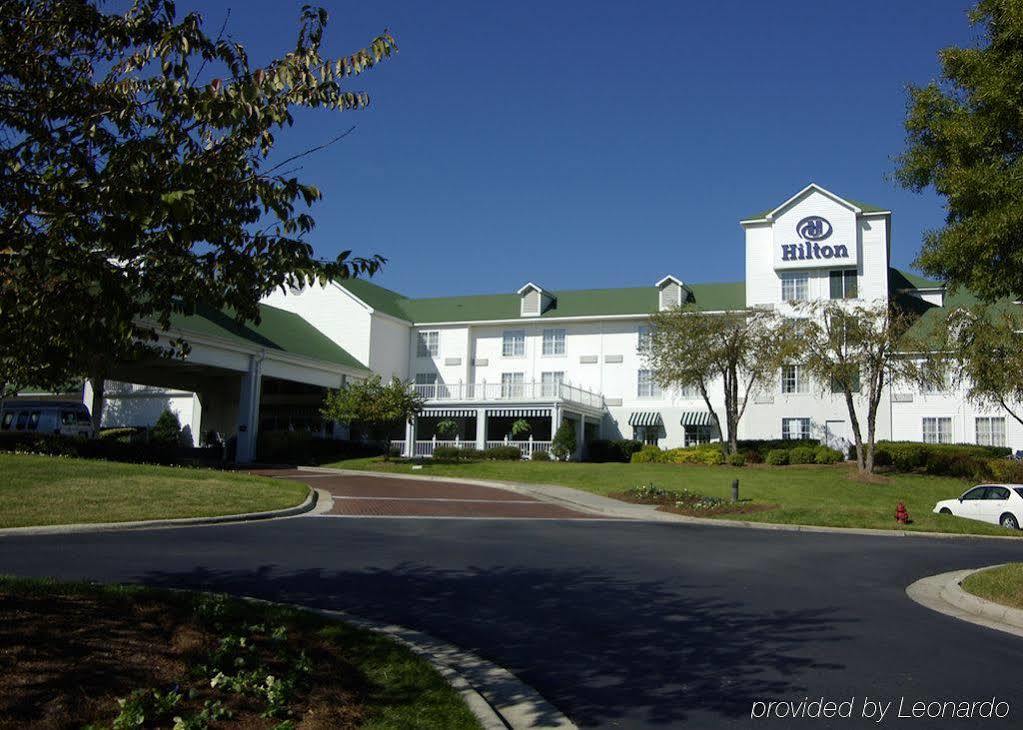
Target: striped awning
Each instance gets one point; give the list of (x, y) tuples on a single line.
[(448, 413), (696, 418), (519, 412), (645, 418)]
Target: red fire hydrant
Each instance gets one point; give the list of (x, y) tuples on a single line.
[(901, 515)]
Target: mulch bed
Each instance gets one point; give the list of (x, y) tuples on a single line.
[(68, 656), (669, 502)]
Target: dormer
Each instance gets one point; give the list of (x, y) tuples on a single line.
[(534, 300), (671, 292)]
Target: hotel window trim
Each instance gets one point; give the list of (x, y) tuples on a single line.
[(646, 386), (550, 383), (428, 344), (795, 287), (844, 284), (990, 430), (795, 428), (513, 343), (512, 385), (553, 342), (937, 430), (794, 380)]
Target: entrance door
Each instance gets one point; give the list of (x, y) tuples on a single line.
[(837, 435)]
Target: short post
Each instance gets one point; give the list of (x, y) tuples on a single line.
[(735, 490)]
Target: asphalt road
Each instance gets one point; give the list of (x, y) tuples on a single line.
[(619, 624)]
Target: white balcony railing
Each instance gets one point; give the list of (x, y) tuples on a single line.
[(520, 392), (426, 447)]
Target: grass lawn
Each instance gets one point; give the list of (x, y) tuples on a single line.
[(805, 494), (49, 490), (1003, 584), (80, 655)]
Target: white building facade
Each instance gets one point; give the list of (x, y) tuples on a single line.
[(549, 356)]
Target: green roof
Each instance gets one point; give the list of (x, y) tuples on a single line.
[(898, 279), (572, 303), (865, 207), (278, 330)]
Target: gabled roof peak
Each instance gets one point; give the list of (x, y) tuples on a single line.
[(530, 285)]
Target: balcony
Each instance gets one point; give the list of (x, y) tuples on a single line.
[(532, 392)]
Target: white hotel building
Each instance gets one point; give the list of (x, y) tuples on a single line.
[(550, 355)]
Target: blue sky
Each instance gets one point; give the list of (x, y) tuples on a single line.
[(600, 144)]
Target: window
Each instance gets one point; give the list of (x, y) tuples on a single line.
[(794, 380), (554, 342), (426, 378), (844, 284), (429, 344), (795, 287), (511, 385), (990, 431), (836, 386), (999, 493), (8, 420), (550, 384), (646, 386), (22, 420), (975, 493), (643, 343), (795, 428), (513, 343), (937, 430), (33, 421), (698, 435), (649, 435), (689, 391)]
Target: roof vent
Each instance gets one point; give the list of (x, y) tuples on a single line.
[(672, 293), (535, 300)]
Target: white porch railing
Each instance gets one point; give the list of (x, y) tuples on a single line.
[(522, 392), (426, 448), (399, 445)]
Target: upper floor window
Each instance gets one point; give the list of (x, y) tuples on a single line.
[(937, 430), (644, 338), (795, 287), (512, 385), (429, 344), (554, 342), (513, 344), (426, 378), (794, 380), (646, 386), (990, 431), (854, 384), (550, 384), (689, 391), (844, 284)]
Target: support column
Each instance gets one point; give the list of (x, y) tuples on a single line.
[(580, 437), (555, 420), (248, 411), (481, 428), (410, 437)]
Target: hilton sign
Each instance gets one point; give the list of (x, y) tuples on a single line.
[(812, 247)]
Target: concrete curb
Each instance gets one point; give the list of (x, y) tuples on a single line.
[(944, 593), (306, 506), (607, 507), (497, 698)]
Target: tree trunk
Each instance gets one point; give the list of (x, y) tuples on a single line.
[(98, 376)]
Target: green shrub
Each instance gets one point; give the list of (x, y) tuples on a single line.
[(752, 456), (452, 453), (762, 446), (604, 450), (737, 459), (1009, 471), (777, 457), (167, 429), (826, 455), (967, 461), (709, 454), (564, 441), (646, 455), (303, 447), (121, 435), (446, 429), (503, 453), (802, 454), (540, 456)]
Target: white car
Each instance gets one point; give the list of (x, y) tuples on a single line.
[(1001, 504)]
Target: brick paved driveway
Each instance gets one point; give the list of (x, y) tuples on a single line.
[(376, 496)]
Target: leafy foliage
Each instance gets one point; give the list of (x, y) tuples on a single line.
[(856, 350), (520, 428), (563, 444), (965, 138), (167, 429), (694, 349), (138, 181), (447, 428), (372, 404)]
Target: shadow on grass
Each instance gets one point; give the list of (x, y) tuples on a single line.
[(599, 647)]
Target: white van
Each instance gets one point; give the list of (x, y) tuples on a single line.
[(64, 418)]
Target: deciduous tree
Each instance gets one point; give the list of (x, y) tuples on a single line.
[(138, 179), (373, 404)]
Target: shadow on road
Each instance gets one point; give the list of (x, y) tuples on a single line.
[(598, 647)]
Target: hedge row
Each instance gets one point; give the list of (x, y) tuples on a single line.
[(603, 450), (967, 461), (495, 453), (804, 454), (111, 449), (708, 454), (302, 447)]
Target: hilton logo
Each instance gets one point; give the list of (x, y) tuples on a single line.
[(812, 230)]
